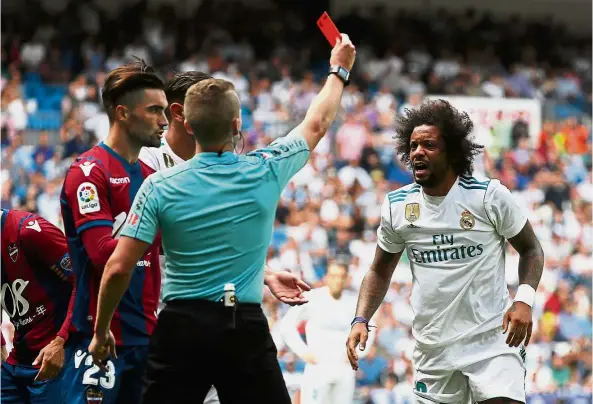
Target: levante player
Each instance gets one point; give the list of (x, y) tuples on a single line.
[(37, 285), (98, 192)]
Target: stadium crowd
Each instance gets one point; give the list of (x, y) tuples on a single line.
[(331, 209)]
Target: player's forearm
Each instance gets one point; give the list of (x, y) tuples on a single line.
[(531, 266), (289, 331), (531, 256), (323, 111), (114, 284), (372, 292), (99, 245), (376, 283), (64, 330)]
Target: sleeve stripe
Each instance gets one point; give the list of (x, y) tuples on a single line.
[(483, 188), (142, 212), (139, 238), (93, 223)]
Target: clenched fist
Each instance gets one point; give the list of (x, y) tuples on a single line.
[(343, 54)]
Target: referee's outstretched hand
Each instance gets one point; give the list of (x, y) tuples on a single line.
[(287, 288), (343, 53)]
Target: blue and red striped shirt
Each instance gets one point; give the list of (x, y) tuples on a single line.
[(37, 281), (98, 192)]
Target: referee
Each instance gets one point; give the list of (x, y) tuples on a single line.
[(215, 214)]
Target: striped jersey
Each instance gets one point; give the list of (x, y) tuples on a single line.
[(99, 189), (37, 283)]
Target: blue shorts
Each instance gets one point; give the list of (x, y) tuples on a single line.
[(19, 387), (86, 383)]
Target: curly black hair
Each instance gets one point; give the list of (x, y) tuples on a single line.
[(454, 126)]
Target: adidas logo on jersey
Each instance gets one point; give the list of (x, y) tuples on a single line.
[(118, 181), (143, 263)]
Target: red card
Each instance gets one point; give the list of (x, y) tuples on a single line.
[(327, 26)]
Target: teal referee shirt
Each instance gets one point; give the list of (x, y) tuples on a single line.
[(216, 214)]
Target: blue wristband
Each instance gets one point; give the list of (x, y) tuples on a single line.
[(359, 320), (363, 321)]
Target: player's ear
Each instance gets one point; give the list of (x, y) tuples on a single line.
[(177, 111), (121, 113)]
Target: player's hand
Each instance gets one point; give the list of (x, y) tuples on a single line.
[(343, 54), (51, 359), (101, 348), (4, 353), (518, 321), (358, 334), (310, 358), (287, 287)]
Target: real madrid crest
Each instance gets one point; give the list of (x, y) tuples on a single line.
[(412, 212), (467, 220)]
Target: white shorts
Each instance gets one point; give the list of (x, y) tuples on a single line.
[(476, 369), (328, 384)]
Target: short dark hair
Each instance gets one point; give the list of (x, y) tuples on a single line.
[(125, 79), (177, 86), (210, 107), (455, 127)]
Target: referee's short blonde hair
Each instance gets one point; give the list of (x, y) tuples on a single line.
[(210, 108)]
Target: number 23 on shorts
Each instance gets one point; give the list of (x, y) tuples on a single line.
[(90, 376), (107, 381)]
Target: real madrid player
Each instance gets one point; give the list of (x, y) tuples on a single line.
[(176, 145), (453, 227)]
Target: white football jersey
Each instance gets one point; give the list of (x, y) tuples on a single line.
[(328, 326), (159, 158), (456, 251)]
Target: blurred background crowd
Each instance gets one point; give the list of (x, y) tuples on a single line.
[(526, 83)]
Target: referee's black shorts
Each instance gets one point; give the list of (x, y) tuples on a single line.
[(194, 346)]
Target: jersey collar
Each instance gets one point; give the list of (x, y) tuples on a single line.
[(446, 198), (123, 161), (210, 158), (170, 150)]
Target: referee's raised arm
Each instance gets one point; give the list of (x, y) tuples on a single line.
[(324, 107)]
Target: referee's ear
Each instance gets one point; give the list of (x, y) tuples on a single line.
[(177, 111), (187, 127)]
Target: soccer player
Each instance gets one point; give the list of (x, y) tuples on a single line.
[(37, 283), (453, 227), (177, 146), (216, 214), (328, 379), (97, 195)]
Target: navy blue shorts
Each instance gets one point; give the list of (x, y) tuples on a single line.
[(86, 383), (19, 386)]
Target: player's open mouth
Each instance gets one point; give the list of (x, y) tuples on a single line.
[(420, 168)]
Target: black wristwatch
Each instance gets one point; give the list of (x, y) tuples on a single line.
[(342, 73)]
